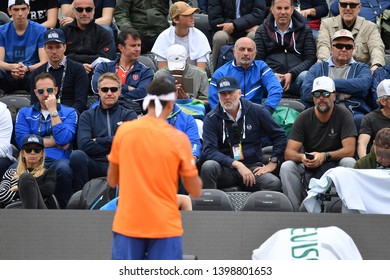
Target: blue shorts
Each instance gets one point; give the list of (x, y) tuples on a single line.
[(130, 248)]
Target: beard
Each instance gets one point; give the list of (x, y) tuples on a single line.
[(324, 109)]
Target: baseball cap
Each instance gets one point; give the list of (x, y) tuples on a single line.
[(343, 33), (227, 83), (323, 83), (12, 2), (181, 8), (176, 57), (54, 35), (33, 139), (383, 88)]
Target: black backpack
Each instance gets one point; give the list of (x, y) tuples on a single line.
[(225, 55), (96, 193)]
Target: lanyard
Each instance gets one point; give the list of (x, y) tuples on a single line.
[(40, 125), (59, 95), (236, 132), (372, 7)]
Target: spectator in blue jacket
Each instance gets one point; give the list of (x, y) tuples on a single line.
[(96, 130), (134, 76), (232, 139), (352, 79), (256, 77), (56, 124)]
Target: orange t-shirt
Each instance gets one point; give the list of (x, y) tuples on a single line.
[(151, 155)]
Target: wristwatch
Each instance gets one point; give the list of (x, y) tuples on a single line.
[(273, 159), (327, 157), (54, 114)]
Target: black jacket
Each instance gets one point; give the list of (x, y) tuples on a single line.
[(295, 55)]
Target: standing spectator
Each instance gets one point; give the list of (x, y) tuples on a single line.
[(326, 132), (21, 47), (149, 20), (30, 181), (6, 127), (71, 78), (148, 187), (285, 42), (231, 19), (96, 129), (255, 77), (369, 47), (232, 139), (56, 124), (85, 40), (184, 33), (375, 120)]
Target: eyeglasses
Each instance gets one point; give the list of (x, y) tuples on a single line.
[(340, 46), (106, 89), (48, 90), (87, 9), (346, 4), (36, 150), (317, 94)]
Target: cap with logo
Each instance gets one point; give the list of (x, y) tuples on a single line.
[(343, 33), (33, 139), (177, 57), (181, 8), (16, 2), (54, 35), (227, 83), (383, 88), (323, 83)]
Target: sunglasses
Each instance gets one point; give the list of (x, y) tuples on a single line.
[(48, 90), (106, 89), (317, 94), (340, 46), (346, 4), (36, 150), (87, 9)]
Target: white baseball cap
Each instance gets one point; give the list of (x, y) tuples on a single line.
[(323, 83), (12, 2), (177, 57), (383, 88)]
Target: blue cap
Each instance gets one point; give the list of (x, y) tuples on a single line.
[(54, 35), (227, 83)]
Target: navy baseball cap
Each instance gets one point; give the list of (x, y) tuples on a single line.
[(33, 139), (227, 83), (54, 35)]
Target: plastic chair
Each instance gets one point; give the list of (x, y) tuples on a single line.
[(4, 18), (212, 199), (148, 62), (74, 201), (238, 199), (293, 104), (268, 201), (202, 23)]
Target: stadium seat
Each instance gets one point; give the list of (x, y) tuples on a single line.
[(51, 203), (148, 62), (268, 201), (15, 101), (202, 23), (212, 199), (4, 18), (238, 199), (293, 104), (74, 201)]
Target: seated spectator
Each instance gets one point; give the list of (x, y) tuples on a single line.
[(103, 14), (369, 47), (56, 124), (190, 100), (148, 20), (30, 181), (95, 132), (86, 40), (285, 42), (44, 12), (184, 33), (229, 22), (21, 47), (6, 127), (70, 75), (232, 139), (255, 77), (375, 120), (352, 79), (203, 6), (379, 156), (328, 136), (135, 76)]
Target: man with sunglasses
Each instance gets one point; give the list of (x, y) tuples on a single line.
[(56, 124), (369, 47), (95, 132), (352, 79), (326, 132)]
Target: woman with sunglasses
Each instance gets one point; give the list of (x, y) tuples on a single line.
[(29, 182)]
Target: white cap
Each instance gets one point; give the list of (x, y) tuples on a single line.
[(383, 88), (177, 57), (323, 83), (12, 2)]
